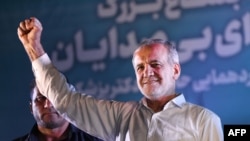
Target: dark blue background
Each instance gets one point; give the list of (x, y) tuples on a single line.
[(62, 20)]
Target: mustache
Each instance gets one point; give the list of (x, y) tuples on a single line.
[(50, 110), (150, 79)]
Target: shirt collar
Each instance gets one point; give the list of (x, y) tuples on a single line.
[(33, 135), (179, 100)]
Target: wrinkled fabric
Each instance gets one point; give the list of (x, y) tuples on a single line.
[(74, 135), (126, 121)]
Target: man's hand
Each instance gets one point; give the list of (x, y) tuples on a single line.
[(29, 33)]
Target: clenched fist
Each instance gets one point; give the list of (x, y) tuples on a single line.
[(29, 33)]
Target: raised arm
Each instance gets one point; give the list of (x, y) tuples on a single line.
[(29, 32), (97, 117)]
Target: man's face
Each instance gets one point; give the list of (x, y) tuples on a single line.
[(44, 112), (155, 75)]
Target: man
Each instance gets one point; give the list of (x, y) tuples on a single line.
[(50, 126), (162, 115)]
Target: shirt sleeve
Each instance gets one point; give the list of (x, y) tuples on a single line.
[(212, 128), (96, 117)]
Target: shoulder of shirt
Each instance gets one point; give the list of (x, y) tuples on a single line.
[(201, 109), (21, 138)]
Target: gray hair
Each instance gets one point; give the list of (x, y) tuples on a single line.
[(173, 56)]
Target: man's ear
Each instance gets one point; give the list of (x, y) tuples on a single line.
[(30, 106), (177, 71)]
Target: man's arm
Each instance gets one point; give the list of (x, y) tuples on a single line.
[(97, 118), (29, 33), (212, 128)]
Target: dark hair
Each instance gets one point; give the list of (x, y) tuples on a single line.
[(33, 85)]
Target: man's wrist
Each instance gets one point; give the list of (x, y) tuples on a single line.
[(34, 51)]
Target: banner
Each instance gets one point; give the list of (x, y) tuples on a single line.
[(92, 43)]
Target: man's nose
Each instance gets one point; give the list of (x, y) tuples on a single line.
[(47, 104), (148, 71)]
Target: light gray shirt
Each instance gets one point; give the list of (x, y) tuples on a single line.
[(126, 121)]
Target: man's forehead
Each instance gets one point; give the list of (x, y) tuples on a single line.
[(36, 92)]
